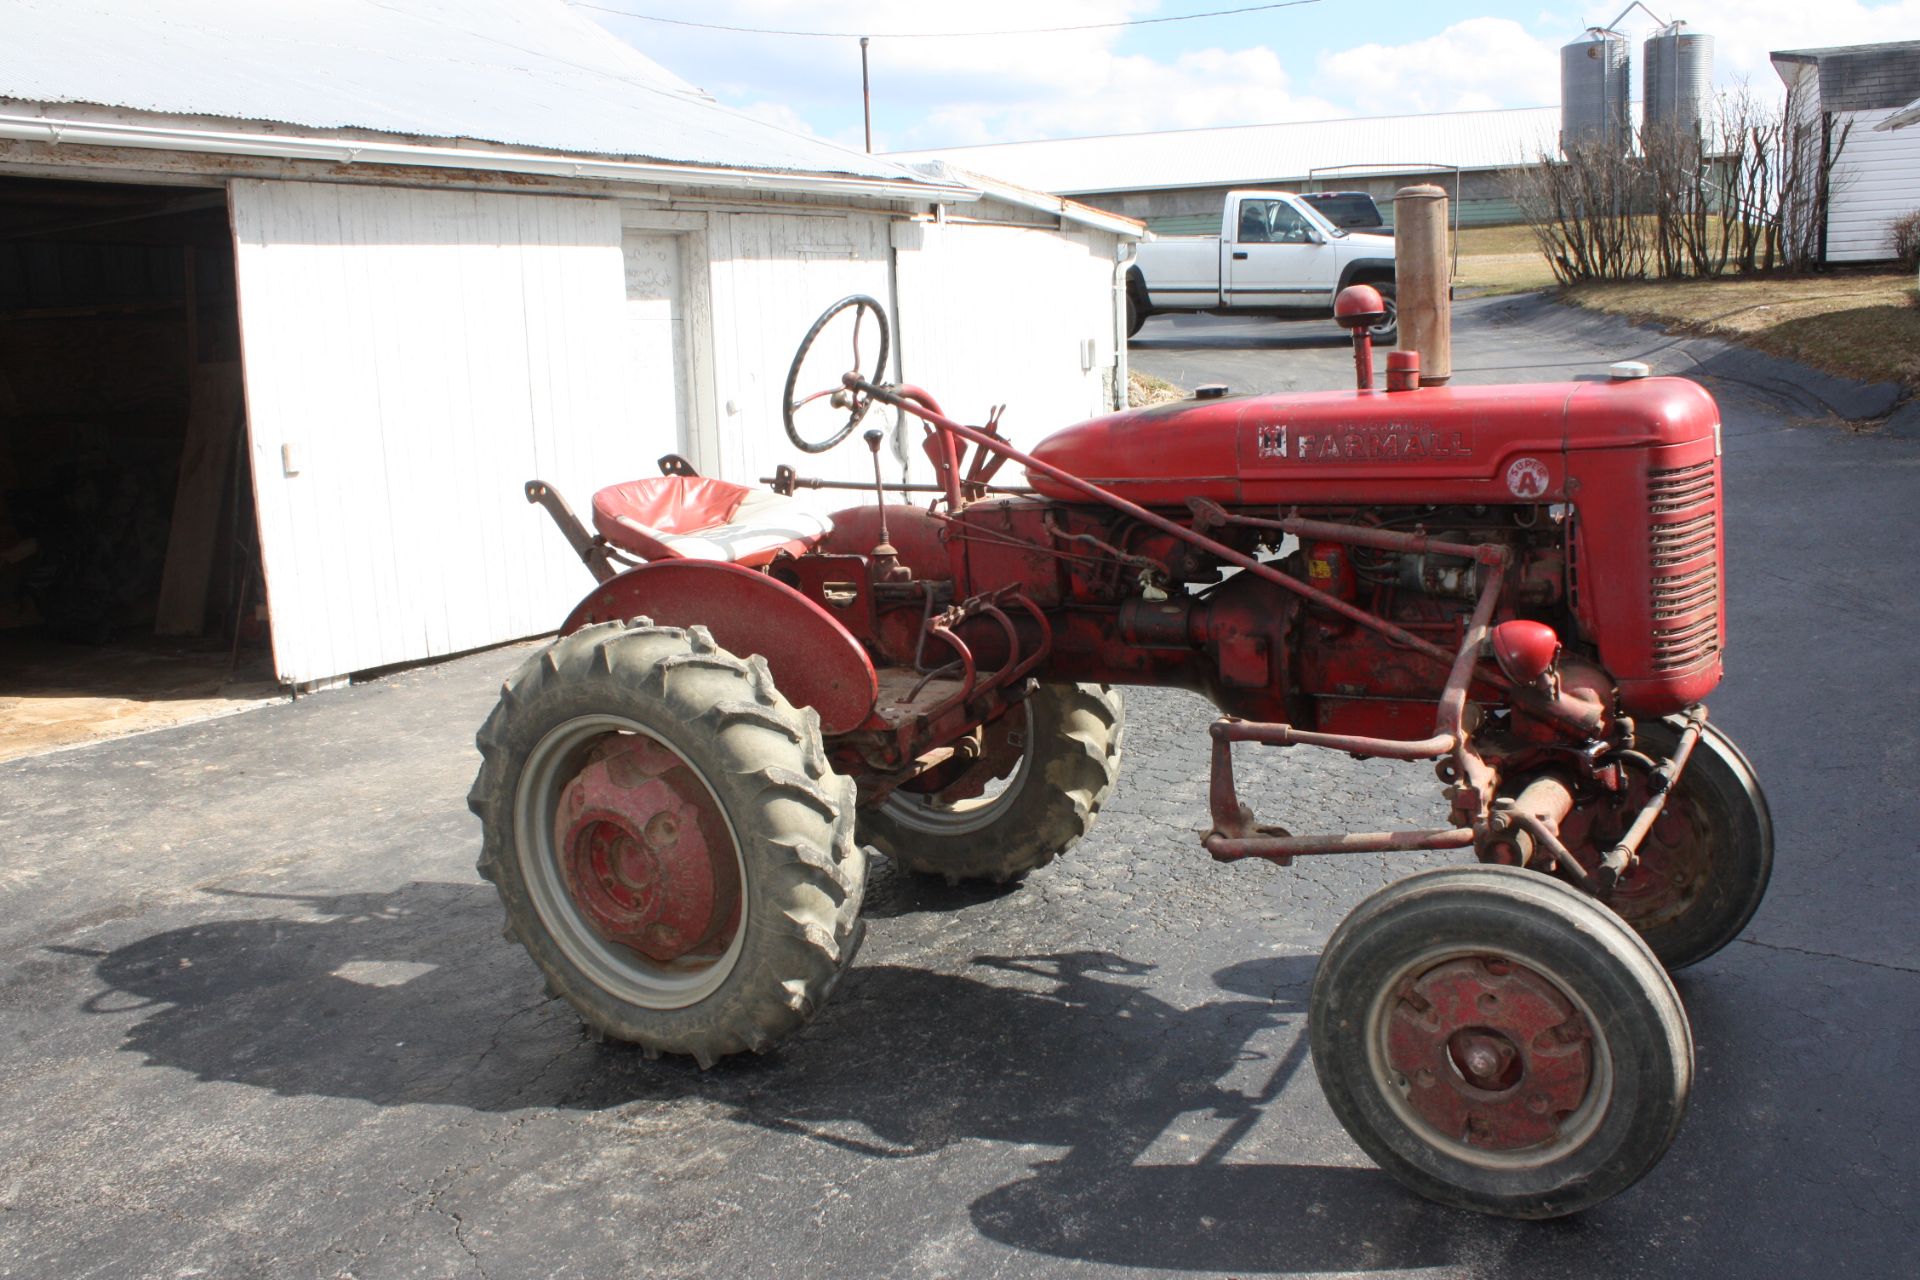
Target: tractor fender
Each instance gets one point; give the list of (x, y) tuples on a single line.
[(815, 661)]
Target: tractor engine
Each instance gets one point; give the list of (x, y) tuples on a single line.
[(1606, 495)]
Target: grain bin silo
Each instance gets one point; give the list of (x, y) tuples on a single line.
[(1676, 77), (1593, 90)]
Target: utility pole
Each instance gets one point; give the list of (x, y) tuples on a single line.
[(866, 94)]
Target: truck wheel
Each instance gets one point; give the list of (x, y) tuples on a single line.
[(1704, 867), (1387, 332), (1136, 315), (1062, 753), (1499, 1042), (667, 839)]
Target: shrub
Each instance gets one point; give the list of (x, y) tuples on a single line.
[(1747, 192), (1143, 389), (1906, 240)]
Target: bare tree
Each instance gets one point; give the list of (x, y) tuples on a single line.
[(1582, 211), (1750, 168), (1809, 149), (1748, 191)]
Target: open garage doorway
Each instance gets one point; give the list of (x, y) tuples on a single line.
[(129, 576)]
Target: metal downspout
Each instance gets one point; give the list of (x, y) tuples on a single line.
[(1123, 258)]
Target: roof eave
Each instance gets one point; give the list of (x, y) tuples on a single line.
[(1909, 114), (46, 126), (1040, 201)]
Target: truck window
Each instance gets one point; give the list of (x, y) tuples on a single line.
[(1351, 211), (1254, 216), (1287, 226)]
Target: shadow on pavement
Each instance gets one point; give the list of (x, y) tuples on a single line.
[(1287, 336), (893, 892), (1072, 1052)]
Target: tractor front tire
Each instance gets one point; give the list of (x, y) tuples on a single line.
[(1500, 1042), (1704, 866), (668, 840), (1071, 738)]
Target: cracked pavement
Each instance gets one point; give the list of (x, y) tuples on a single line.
[(259, 1020)]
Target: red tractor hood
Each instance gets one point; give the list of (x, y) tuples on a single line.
[(1498, 444)]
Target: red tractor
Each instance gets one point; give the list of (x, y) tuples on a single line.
[(1521, 583)]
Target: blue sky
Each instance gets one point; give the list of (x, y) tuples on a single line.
[(1314, 61)]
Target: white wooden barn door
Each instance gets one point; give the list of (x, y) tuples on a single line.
[(653, 341), (1020, 316), (772, 275), (412, 358)]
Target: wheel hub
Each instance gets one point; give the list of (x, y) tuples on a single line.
[(1489, 1053), (644, 851), (1671, 871)]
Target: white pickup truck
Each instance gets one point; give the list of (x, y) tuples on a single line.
[(1275, 255)]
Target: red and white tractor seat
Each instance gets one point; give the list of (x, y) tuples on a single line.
[(698, 518)]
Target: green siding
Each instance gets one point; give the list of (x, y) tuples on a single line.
[(1185, 224)]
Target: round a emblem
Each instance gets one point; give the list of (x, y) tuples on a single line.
[(1527, 478)]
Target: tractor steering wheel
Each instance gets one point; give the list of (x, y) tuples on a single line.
[(837, 396)]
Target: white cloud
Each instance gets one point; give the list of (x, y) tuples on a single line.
[(1496, 62), (1472, 65), (1133, 95), (950, 92), (1745, 31), (955, 91)]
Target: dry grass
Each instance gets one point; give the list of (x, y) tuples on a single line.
[(1495, 260), (1144, 389), (1862, 325), (1497, 241), (1853, 324)]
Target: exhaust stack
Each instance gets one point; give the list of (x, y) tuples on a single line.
[(1424, 280)]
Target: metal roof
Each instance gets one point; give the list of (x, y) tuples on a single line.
[(523, 73), (1842, 50), (1247, 155), (1041, 201), (1857, 77)]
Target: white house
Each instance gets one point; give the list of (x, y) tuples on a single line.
[(448, 246), (1845, 95)]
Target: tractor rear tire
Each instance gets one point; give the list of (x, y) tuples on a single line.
[(1073, 736), (748, 777), (1705, 865), (1500, 1042)]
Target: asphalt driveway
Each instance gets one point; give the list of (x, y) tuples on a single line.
[(259, 1020)]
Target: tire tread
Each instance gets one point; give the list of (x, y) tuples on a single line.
[(771, 766)]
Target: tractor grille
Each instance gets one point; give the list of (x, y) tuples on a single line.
[(1688, 540), (1679, 488), (1684, 545), (1681, 594)]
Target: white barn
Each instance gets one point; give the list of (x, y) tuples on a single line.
[(1177, 181), (447, 246), (1848, 96)]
